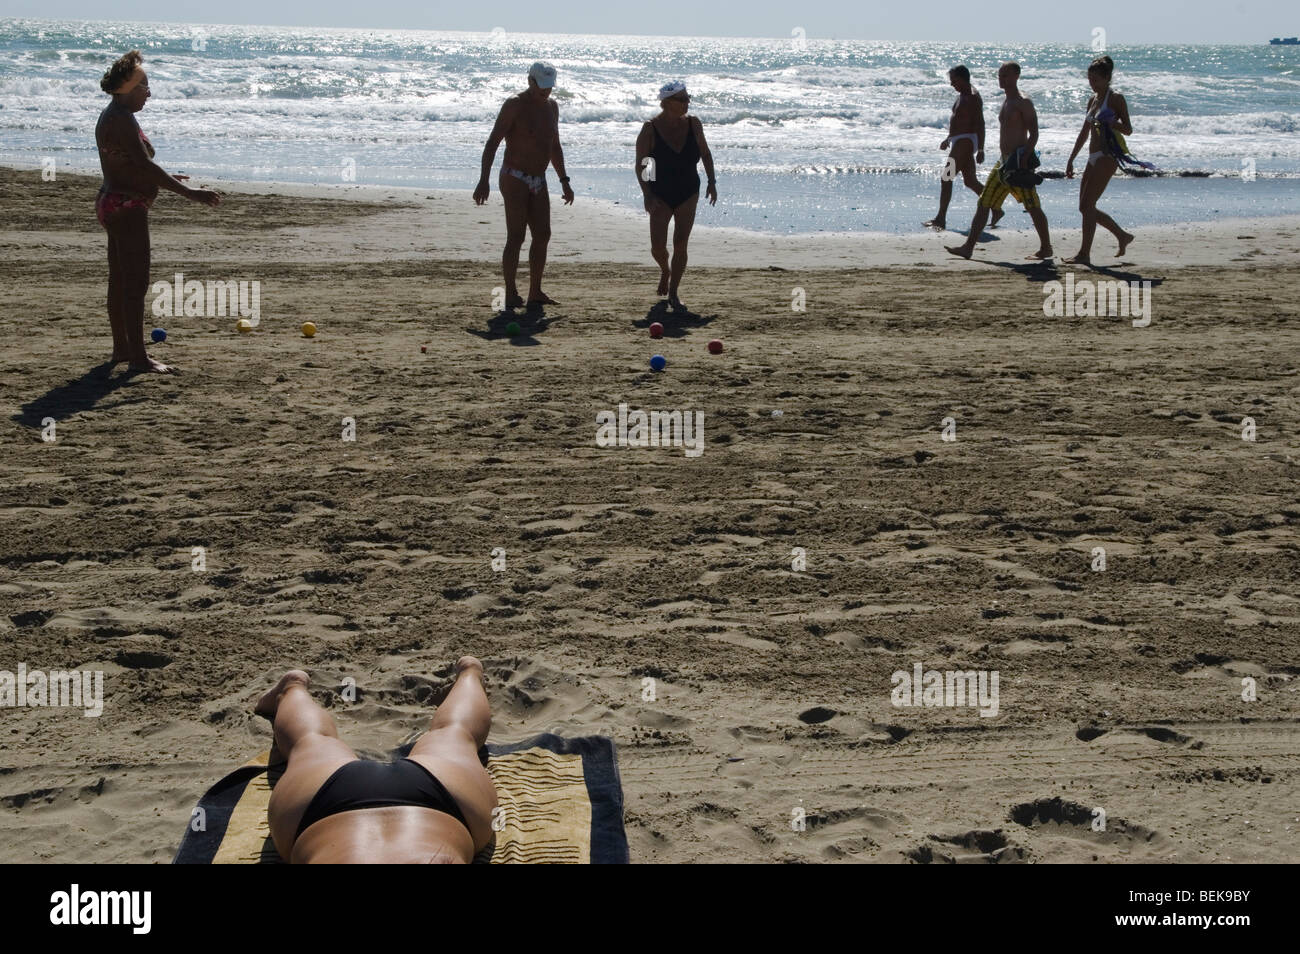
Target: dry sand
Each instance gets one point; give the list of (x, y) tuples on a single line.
[(1119, 690)]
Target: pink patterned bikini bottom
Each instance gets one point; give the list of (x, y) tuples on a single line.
[(107, 203)]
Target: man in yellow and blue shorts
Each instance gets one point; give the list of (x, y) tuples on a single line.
[(996, 192), (1019, 130)]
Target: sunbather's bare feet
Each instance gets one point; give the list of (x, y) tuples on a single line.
[(1124, 243), (465, 664), (270, 702), (937, 224), (997, 217), (663, 282), (150, 366), (1077, 259), (470, 663), (961, 251), (1042, 254)]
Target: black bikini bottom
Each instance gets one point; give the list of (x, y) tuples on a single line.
[(369, 784)]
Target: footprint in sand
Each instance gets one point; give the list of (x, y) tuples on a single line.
[(978, 846), (1058, 818), (845, 833)]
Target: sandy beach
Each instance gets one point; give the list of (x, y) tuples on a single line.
[(1120, 689)]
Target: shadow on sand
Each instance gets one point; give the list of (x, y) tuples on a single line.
[(1035, 271), (1048, 271), (677, 324), (985, 236), (1114, 273), (81, 394), (531, 324)]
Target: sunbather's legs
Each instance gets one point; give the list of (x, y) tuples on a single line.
[(450, 748), (306, 735)]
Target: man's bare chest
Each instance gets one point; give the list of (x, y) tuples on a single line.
[(534, 123)]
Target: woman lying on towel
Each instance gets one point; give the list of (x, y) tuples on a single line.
[(331, 807)]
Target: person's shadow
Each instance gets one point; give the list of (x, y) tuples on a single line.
[(80, 394), (1114, 273), (676, 323), (530, 324), (1036, 271), (985, 236), (1047, 271)]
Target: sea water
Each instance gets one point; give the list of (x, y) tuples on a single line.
[(834, 135)]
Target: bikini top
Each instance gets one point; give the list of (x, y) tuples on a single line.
[(1098, 107), (115, 152)]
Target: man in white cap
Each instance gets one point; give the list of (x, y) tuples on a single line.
[(529, 122)]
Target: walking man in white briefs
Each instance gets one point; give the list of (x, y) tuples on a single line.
[(965, 145), (529, 122)]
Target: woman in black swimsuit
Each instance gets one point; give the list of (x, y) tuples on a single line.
[(667, 151), (330, 807)]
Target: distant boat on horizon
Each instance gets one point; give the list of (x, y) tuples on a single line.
[(1285, 41)]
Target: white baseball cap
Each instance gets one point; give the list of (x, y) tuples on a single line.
[(543, 73)]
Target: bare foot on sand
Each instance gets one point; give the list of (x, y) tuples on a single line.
[(270, 702), (997, 217), (937, 224), (1124, 243), (675, 304), (514, 301), (663, 283), (1042, 254), (542, 299), (1076, 259), (961, 251), (465, 664), (151, 366)]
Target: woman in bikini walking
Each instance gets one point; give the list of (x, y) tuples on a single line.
[(131, 183), (1109, 107), (667, 151)]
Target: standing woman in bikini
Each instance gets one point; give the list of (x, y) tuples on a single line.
[(667, 151), (131, 183), (1105, 106)]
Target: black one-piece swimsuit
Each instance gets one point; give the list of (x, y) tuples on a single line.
[(675, 178)]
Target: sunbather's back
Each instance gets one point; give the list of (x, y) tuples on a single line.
[(396, 834)]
